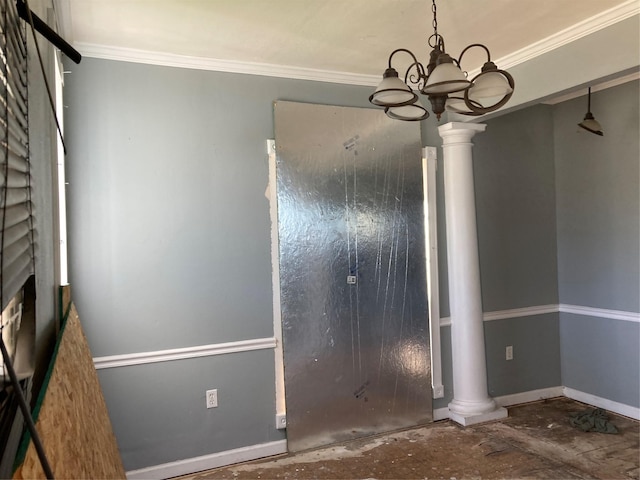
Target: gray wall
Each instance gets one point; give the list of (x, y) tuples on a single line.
[(598, 215), (515, 202), (598, 201), (514, 177), (169, 246), (158, 410), (169, 237), (600, 356), (536, 354)]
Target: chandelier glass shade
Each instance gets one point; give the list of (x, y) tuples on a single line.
[(443, 82), (406, 112), (446, 78), (392, 91)]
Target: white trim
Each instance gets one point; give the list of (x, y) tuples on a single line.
[(602, 20), (469, 419), (594, 88), (531, 396), (440, 414), (571, 34), (275, 342), (272, 195), (620, 408), (564, 308), (554, 392), (207, 462), (219, 65), (429, 167), (512, 313), (60, 215), (142, 358), (600, 312), (519, 312), (445, 322)]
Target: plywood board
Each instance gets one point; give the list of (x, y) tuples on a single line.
[(73, 422)]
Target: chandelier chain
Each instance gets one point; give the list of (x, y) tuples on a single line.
[(434, 39), (435, 20)]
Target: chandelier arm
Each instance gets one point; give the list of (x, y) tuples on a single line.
[(418, 78), (471, 46), (415, 60)]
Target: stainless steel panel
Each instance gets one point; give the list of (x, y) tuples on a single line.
[(352, 267)]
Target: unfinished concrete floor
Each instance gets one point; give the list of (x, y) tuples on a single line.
[(536, 441)]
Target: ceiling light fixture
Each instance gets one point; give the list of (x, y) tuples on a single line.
[(589, 123), (442, 78)]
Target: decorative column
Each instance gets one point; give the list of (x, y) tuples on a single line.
[(471, 402)]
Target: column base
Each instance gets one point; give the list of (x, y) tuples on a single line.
[(466, 419)]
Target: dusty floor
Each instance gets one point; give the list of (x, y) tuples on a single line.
[(536, 441)]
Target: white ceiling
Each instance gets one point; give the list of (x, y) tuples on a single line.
[(354, 36)]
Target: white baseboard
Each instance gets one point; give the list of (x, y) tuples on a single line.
[(620, 408), (530, 396), (440, 414), (207, 462), (509, 400), (254, 452), (553, 392)]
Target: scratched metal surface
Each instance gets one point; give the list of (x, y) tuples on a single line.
[(356, 355)]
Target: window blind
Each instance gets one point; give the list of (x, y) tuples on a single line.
[(17, 244)]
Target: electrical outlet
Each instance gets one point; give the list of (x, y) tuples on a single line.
[(509, 352), (212, 398)]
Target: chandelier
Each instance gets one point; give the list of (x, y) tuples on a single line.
[(443, 82)]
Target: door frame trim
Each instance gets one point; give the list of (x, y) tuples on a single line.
[(272, 195), (429, 168)]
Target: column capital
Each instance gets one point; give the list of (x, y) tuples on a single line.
[(459, 130)]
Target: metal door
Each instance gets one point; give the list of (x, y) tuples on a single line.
[(352, 273)]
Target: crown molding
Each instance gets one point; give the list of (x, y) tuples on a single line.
[(595, 88), (581, 29), (218, 65), (604, 19)]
